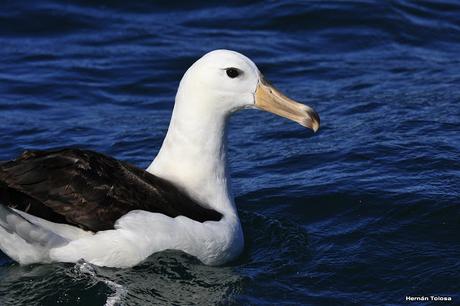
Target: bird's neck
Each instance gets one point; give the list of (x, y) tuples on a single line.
[(193, 156)]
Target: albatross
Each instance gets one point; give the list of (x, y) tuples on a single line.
[(68, 205)]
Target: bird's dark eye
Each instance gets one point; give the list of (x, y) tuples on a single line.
[(232, 72)]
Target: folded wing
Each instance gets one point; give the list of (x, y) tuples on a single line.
[(90, 190)]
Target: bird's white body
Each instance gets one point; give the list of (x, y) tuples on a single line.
[(136, 236), (193, 157), (139, 234)]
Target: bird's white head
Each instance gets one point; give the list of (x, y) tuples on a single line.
[(193, 154), (223, 81)]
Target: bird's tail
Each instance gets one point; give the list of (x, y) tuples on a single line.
[(25, 241)]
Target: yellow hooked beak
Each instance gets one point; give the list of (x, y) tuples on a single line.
[(270, 99)]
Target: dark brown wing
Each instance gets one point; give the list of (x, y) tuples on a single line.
[(90, 190)]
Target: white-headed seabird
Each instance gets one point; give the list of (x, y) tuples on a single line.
[(67, 205)]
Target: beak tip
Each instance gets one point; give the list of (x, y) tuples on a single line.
[(314, 120), (315, 127), (310, 124)]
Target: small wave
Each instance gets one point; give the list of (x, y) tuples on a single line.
[(119, 292)]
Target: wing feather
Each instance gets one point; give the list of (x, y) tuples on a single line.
[(89, 189)]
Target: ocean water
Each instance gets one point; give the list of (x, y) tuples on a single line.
[(365, 212)]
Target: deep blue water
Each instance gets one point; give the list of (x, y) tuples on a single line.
[(364, 212)]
